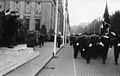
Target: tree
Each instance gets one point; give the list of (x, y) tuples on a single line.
[(115, 22), (94, 27)]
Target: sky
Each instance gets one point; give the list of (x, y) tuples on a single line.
[(85, 11)]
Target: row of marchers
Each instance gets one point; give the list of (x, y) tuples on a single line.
[(94, 46)]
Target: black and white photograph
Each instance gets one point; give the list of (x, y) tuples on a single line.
[(59, 37)]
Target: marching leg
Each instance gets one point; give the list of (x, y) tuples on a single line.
[(116, 54)]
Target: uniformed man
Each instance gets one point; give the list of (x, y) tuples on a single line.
[(94, 49), (59, 40), (82, 45), (10, 28), (40, 40), (99, 47), (88, 49), (105, 42), (75, 46), (116, 44), (71, 39)]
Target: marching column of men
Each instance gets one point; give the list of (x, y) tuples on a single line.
[(94, 46)]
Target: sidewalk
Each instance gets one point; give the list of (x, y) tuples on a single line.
[(35, 65)]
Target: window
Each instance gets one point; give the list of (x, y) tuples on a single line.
[(27, 7), (27, 20), (38, 8), (17, 5), (1, 6), (37, 24)]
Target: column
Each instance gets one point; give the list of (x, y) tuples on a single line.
[(32, 17), (11, 5), (22, 8)]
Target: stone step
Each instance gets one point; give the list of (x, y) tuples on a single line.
[(11, 59), (6, 65)]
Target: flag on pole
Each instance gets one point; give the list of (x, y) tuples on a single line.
[(106, 22), (106, 15)]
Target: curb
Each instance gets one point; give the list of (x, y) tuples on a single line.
[(49, 60)]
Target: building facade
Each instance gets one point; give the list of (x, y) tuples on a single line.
[(36, 12)]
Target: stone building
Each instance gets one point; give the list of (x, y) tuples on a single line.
[(36, 12)]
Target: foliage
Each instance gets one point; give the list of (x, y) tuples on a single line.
[(77, 29), (93, 27), (115, 22)]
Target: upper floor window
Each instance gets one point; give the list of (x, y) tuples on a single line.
[(38, 8), (17, 5), (27, 7), (1, 6)]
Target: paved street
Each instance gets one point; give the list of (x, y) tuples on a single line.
[(66, 65)]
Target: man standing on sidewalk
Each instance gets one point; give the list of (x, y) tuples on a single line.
[(59, 40)]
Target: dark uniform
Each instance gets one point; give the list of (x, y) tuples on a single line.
[(10, 27), (89, 49), (105, 41), (94, 49), (58, 41), (85, 47), (71, 40), (116, 49), (99, 48), (75, 46), (40, 40), (82, 45)]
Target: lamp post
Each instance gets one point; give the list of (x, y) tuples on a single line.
[(55, 36), (64, 22)]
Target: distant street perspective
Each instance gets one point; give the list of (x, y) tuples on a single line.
[(59, 37)]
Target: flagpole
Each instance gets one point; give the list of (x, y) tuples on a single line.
[(55, 36), (64, 22)]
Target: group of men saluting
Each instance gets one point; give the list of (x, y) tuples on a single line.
[(94, 46)]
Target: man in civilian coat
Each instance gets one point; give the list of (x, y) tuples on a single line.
[(9, 28)]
